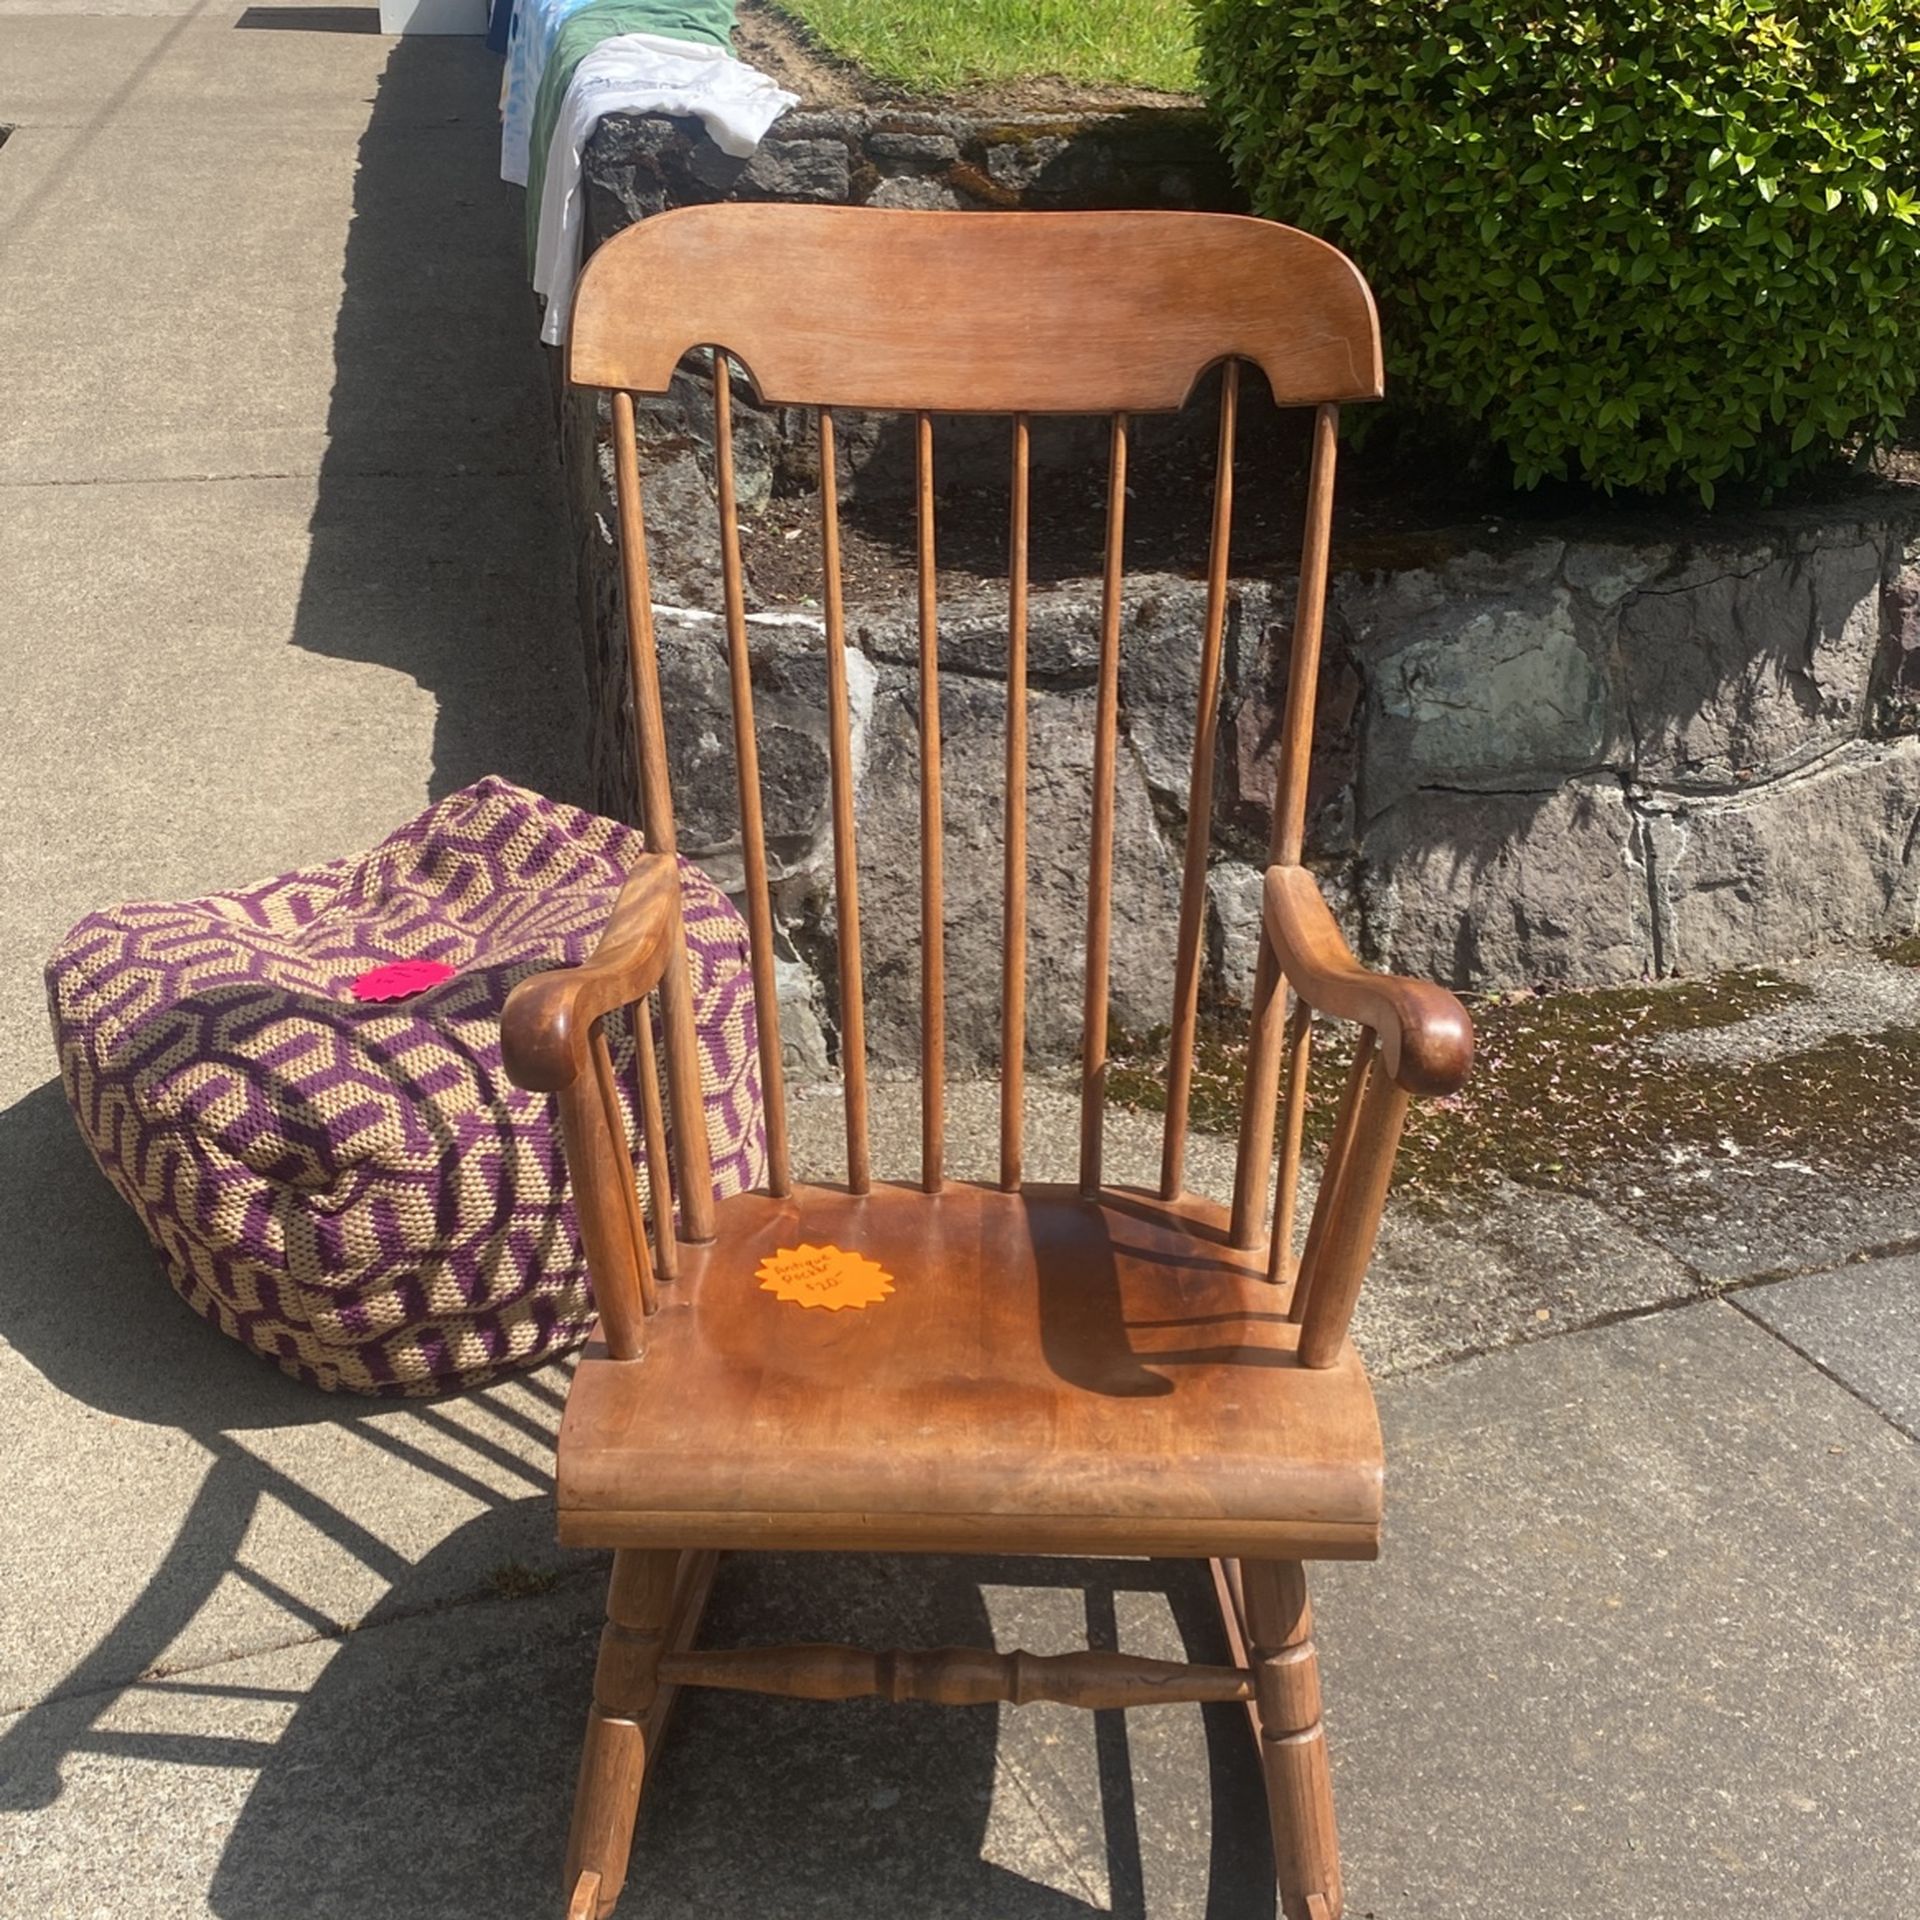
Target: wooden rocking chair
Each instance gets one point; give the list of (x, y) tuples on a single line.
[(1068, 1370)]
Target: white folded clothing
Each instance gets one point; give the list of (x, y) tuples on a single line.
[(638, 73)]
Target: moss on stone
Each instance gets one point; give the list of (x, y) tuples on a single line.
[(1567, 1087), (513, 1580)]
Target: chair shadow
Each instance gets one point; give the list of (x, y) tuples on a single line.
[(85, 1303), (1085, 1330), (430, 1769), (83, 1298), (1083, 1325)]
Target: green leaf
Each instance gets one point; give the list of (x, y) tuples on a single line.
[(1553, 211)]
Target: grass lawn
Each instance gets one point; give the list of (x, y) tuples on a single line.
[(933, 46)]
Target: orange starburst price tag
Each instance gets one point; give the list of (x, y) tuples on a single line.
[(826, 1277)]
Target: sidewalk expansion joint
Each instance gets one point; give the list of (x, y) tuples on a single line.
[(332, 475), (176, 1669), (1612, 1317), (1820, 1366), (1728, 1291)]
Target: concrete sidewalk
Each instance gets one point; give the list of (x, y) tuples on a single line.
[(281, 556)]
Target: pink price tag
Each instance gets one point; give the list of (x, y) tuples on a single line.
[(401, 978)]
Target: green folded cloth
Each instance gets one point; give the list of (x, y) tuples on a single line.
[(707, 22)]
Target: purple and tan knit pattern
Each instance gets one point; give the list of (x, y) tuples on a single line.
[(353, 1189)]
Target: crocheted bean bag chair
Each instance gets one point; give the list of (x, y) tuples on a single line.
[(353, 1188)]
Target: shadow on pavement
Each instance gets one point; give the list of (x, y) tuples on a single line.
[(83, 1300), (83, 1297), (439, 539), (430, 1769)]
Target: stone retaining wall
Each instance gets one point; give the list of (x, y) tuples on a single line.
[(1572, 756), (635, 165)]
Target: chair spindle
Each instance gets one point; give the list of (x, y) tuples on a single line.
[(1266, 1028), (753, 834), (933, 955), (1303, 673), (1286, 1198), (614, 1117), (1013, 994), (1193, 879), (653, 1132), (600, 1173), (1093, 1038), (1348, 1246), (1329, 1203), (656, 809), (846, 863), (955, 1676)]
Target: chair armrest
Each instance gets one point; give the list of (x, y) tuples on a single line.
[(548, 1017), (1426, 1035)]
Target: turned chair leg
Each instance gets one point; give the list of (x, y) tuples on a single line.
[(1293, 1742), (625, 1680)]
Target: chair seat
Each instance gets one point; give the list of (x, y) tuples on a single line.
[(1047, 1374)]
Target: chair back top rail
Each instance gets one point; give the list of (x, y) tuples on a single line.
[(975, 312)]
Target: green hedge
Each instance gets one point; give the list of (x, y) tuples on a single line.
[(1641, 242)]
